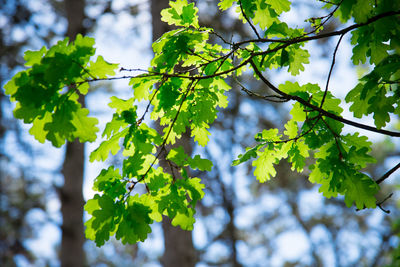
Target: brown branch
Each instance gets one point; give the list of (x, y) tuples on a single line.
[(387, 174), (326, 17), (330, 71), (336, 137), (168, 133), (328, 2), (320, 110), (248, 20), (286, 43), (322, 35), (151, 100), (264, 97), (379, 204)]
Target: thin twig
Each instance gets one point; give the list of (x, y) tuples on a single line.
[(379, 204), (264, 97), (335, 136), (326, 17), (387, 174), (151, 100), (248, 20), (330, 71), (220, 37), (162, 146)]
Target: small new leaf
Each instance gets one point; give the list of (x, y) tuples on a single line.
[(101, 69), (181, 14), (264, 166), (225, 4)]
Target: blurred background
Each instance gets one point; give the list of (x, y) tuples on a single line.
[(240, 222)]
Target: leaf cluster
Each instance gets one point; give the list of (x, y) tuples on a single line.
[(47, 94), (184, 88)]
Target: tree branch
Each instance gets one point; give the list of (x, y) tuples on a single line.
[(264, 97), (322, 35), (330, 71), (320, 110), (248, 20), (387, 174), (286, 43)]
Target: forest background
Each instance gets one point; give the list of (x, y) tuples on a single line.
[(239, 222)]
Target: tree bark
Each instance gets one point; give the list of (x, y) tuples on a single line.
[(178, 244), (71, 195), (179, 249)]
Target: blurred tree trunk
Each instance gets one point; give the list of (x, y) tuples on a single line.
[(178, 244), (71, 195)]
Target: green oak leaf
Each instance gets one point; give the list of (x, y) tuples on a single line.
[(264, 166), (185, 221), (45, 92), (279, 5), (225, 4), (291, 129), (37, 129), (102, 224), (181, 14), (142, 86), (121, 105), (298, 153), (169, 94), (178, 156), (361, 189), (109, 182), (133, 164), (201, 134), (194, 189), (34, 57), (362, 10), (357, 141), (114, 126), (135, 222), (111, 145), (298, 113), (297, 58), (264, 16), (284, 58), (173, 201), (101, 69), (61, 126), (85, 126), (360, 103), (158, 180), (269, 135), (250, 153), (201, 164), (381, 106)]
